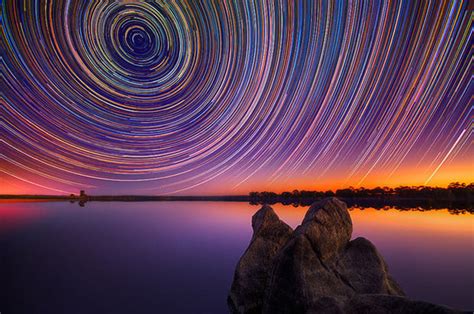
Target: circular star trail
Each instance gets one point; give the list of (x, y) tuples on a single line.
[(170, 96)]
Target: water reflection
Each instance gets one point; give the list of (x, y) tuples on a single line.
[(123, 257), (452, 211)]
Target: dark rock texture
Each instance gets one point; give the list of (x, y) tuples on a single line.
[(316, 268), (254, 267), (381, 304)]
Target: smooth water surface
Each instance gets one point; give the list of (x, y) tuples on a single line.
[(179, 257)]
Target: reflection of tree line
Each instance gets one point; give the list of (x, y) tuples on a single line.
[(457, 197), (453, 211)]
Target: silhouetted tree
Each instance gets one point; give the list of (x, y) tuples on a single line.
[(453, 193)]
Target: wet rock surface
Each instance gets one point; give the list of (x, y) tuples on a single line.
[(316, 268)]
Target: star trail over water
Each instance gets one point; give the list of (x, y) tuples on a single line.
[(221, 97)]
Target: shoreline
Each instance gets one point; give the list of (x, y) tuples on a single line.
[(126, 198), (375, 202)]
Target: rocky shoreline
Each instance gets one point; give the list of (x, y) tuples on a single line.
[(316, 268)]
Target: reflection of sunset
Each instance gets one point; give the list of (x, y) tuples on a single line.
[(370, 220), (224, 215), (289, 214), (433, 221), (381, 225), (15, 213), (231, 213), (416, 245)]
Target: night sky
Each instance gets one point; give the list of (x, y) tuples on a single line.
[(221, 97)]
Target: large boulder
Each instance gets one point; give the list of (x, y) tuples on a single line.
[(320, 261), (254, 268), (315, 268)]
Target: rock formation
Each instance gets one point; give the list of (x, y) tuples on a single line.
[(255, 266), (316, 268)]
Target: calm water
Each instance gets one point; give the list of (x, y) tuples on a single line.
[(179, 257)]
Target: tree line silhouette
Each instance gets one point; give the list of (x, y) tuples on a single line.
[(454, 193)]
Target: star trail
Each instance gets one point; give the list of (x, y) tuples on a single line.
[(227, 97)]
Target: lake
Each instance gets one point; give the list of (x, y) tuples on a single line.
[(179, 257)]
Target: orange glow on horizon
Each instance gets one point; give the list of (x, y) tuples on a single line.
[(462, 171)]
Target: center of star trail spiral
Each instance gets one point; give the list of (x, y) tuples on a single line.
[(231, 96)]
